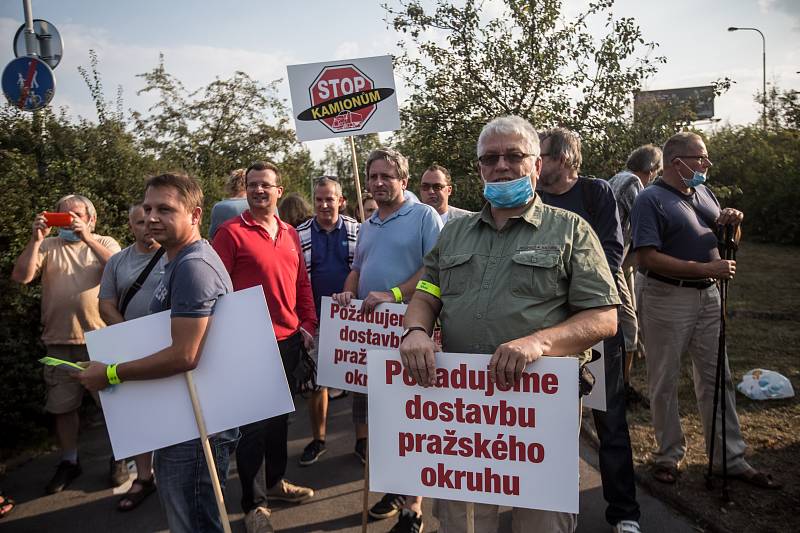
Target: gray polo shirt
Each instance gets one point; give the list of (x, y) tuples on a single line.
[(119, 274)]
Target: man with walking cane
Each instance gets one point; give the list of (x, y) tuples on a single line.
[(674, 235)]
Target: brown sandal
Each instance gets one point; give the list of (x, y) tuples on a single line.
[(757, 479), (666, 474), (134, 499)]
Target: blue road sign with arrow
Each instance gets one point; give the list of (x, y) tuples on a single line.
[(28, 83)]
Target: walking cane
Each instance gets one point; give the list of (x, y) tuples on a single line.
[(728, 248)]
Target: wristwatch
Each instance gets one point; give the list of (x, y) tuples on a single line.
[(409, 330)]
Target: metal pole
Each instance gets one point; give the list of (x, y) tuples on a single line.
[(764, 75), (30, 35)]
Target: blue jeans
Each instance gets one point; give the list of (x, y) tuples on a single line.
[(184, 484)]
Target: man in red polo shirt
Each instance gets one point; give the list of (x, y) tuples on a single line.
[(258, 248)]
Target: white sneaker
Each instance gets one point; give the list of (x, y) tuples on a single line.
[(627, 526), (257, 521)]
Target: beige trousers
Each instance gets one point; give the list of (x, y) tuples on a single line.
[(677, 321), (453, 519)]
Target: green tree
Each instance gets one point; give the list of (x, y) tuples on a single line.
[(463, 70), (225, 125)]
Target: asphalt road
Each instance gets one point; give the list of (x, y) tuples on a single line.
[(88, 505)]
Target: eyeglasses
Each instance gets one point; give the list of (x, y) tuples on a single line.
[(514, 158), (700, 158), (435, 186)]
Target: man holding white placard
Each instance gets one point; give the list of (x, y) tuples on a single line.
[(518, 280), (387, 265), (194, 279)]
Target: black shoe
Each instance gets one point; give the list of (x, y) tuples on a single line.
[(409, 522), (118, 472), (65, 473), (313, 452), (361, 450), (389, 506)]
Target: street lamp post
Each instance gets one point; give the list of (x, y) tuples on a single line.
[(763, 69)]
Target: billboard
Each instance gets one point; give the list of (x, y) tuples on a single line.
[(699, 100)]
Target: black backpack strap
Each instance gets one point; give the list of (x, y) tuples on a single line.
[(133, 289), (586, 197)]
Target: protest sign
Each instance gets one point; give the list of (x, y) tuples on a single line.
[(471, 440), (597, 398), (239, 379), (344, 97), (345, 336)]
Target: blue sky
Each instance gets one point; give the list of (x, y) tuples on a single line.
[(202, 39)]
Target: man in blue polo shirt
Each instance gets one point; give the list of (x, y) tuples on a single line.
[(388, 263), (328, 241)]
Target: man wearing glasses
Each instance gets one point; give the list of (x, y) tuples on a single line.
[(519, 280), (435, 189), (388, 263), (258, 248), (674, 235)]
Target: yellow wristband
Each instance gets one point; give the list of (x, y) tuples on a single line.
[(398, 294), (430, 288), (111, 374)]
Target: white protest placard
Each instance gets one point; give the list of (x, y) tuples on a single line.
[(597, 398), (345, 336), (466, 439), (343, 97), (239, 379)]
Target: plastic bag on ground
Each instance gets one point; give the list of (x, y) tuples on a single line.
[(760, 384)]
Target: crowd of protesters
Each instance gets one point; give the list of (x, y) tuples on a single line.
[(553, 263)]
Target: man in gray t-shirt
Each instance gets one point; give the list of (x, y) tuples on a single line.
[(119, 274), (122, 270)]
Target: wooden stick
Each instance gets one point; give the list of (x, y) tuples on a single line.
[(470, 517), (365, 501), (212, 468), (355, 178)]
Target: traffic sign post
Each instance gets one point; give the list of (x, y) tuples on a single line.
[(28, 83)]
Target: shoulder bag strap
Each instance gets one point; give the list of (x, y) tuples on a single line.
[(133, 289)]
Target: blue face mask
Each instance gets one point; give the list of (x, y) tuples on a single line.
[(698, 178), (507, 194), (68, 235)]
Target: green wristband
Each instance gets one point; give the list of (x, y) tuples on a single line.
[(111, 373), (398, 294)]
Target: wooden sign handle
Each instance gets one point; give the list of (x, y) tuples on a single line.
[(212, 467), (355, 178)]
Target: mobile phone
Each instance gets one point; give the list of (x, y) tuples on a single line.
[(58, 220)]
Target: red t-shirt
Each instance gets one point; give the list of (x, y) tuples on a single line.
[(252, 258)]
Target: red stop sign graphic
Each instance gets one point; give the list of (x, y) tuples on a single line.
[(331, 86)]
